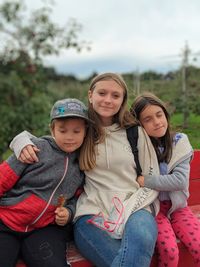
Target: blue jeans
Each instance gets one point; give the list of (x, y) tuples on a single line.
[(135, 249)]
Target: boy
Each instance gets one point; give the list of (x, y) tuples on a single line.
[(31, 219)]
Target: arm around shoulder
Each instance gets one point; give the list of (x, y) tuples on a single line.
[(20, 141)]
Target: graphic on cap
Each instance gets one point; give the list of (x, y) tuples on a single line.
[(69, 107)]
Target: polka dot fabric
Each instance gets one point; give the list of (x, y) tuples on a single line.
[(183, 225)]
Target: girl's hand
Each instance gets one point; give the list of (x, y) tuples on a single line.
[(62, 216), (140, 180), (28, 154)]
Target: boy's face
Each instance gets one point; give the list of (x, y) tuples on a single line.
[(69, 133)]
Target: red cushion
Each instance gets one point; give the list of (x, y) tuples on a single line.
[(195, 166)]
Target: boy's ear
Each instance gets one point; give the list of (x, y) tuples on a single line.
[(51, 130)]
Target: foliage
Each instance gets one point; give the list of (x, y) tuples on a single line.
[(169, 88), (25, 97), (67, 88), (36, 35), (21, 108), (193, 129)]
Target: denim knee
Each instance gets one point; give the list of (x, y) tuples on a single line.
[(95, 244)]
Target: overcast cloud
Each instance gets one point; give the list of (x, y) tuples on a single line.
[(128, 35)]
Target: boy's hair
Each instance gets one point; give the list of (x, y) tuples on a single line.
[(139, 104), (96, 134)]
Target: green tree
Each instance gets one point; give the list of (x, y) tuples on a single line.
[(36, 34), (25, 100)]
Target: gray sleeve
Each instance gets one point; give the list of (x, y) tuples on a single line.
[(20, 141), (177, 180), (17, 166), (71, 206)]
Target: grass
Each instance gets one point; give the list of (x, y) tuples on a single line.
[(193, 129)]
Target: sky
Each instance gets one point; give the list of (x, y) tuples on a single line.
[(127, 36)]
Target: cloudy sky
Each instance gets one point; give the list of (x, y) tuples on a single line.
[(128, 35)]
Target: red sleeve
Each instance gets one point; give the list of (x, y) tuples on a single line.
[(7, 177)]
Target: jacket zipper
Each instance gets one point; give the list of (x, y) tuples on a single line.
[(53, 193)]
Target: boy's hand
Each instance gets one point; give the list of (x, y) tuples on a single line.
[(28, 154), (62, 216)]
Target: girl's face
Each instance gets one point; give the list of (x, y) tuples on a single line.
[(106, 99), (154, 121), (69, 133)]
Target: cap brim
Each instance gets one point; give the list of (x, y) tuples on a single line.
[(72, 116)]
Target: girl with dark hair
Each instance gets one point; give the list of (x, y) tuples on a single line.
[(174, 154)]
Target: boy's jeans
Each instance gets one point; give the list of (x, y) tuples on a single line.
[(135, 249)]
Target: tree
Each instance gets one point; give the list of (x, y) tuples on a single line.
[(36, 35), (24, 100)]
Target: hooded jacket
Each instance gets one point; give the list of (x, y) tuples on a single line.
[(174, 185), (29, 192), (115, 176)]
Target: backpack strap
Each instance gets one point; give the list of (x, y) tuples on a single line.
[(132, 135)]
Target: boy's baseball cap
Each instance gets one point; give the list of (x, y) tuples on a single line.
[(69, 107)]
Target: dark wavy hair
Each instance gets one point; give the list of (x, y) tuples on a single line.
[(139, 104)]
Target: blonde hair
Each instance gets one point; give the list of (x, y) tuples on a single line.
[(95, 133)]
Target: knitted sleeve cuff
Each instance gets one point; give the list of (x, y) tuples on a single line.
[(20, 141)]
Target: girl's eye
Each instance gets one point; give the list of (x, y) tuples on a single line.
[(101, 93), (159, 115), (147, 120), (116, 96)]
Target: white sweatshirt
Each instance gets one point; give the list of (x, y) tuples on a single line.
[(115, 175)]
